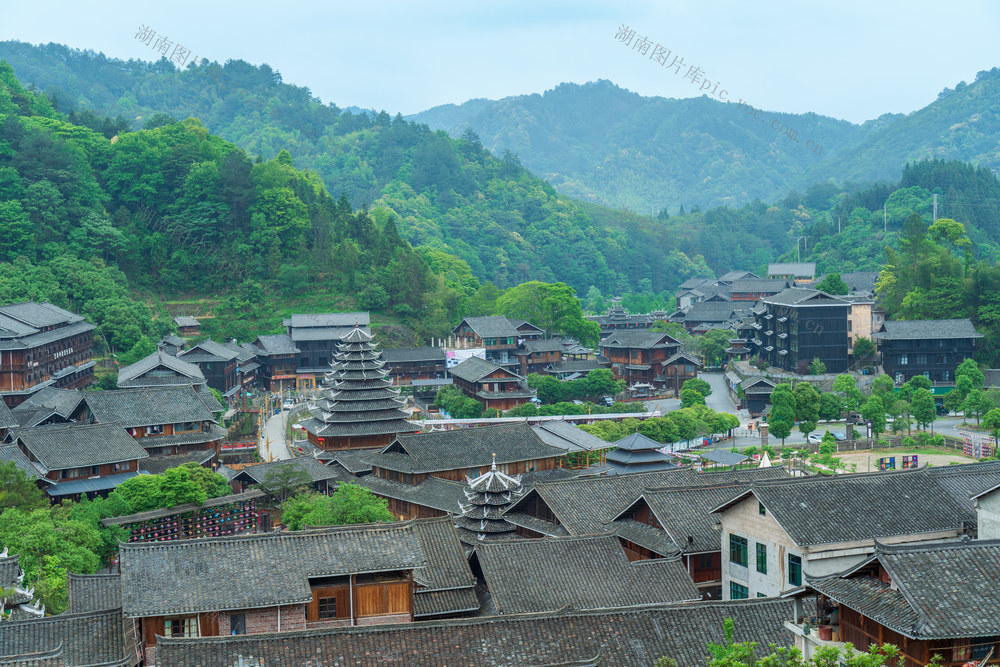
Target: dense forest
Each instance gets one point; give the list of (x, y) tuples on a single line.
[(449, 194)]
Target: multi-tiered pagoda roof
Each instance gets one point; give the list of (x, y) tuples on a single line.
[(359, 407), (487, 498)]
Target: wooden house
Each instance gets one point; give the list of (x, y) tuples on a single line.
[(317, 336), (494, 386), (73, 460), (931, 600), (498, 335), (423, 368), (931, 348), (160, 370), (534, 356), (163, 420), (42, 345), (639, 357), (369, 574), (278, 357), (217, 363), (187, 326)]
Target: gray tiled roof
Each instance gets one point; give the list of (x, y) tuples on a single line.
[(181, 372), (939, 591), (723, 457), (39, 315), (586, 505), (795, 296), (276, 344), (157, 465), (207, 350), (463, 448), (927, 329), (865, 506), (761, 285), (475, 369), (354, 461), (792, 268), (305, 320), (11, 452), (860, 281), (963, 482), (213, 574), (645, 535), (10, 571), (737, 275), (325, 333), (61, 446), (685, 512), (446, 585), (61, 402), (94, 592), (616, 638), (439, 494), (409, 354), (716, 311), (543, 345), (569, 437), (491, 326), (544, 575), (186, 321), (639, 339), (256, 474), (147, 406), (91, 639), (7, 419)]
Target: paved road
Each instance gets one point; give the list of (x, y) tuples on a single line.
[(719, 399), (272, 442)]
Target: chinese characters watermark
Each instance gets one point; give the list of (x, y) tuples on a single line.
[(181, 56), (162, 45), (668, 59)]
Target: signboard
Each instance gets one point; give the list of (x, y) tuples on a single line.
[(887, 463), (455, 357), (977, 445), (910, 462)]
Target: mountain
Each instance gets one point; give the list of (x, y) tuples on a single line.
[(448, 195), (604, 144)]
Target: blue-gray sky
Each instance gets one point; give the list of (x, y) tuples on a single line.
[(845, 58)]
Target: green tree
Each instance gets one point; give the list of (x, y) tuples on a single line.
[(349, 504), (976, 404), (970, 369), (699, 385), (833, 284), (691, 397), (924, 412), (953, 400), (284, 481), (864, 349), (552, 306), (807, 405), (884, 387), (830, 406), (782, 417), (901, 412), (847, 387), (15, 231), (18, 491), (991, 422), (816, 366), (874, 411), (712, 346)]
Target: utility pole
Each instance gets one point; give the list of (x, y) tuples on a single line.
[(935, 209), (885, 218), (838, 225)]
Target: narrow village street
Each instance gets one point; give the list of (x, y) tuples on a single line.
[(273, 445)]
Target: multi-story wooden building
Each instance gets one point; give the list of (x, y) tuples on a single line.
[(423, 368), (279, 358), (316, 337), (493, 385), (534, 356), (646, 357), (369, 574), (498, 335), (800, 325), (79, 459), (163, 420), (42, 345), (932, 348), (160, 370), (217, 363)]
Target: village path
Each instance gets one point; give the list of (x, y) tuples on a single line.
[(274, 436)]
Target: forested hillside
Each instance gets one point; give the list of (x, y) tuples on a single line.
[(448, 194), (85, 220), (604, 144)]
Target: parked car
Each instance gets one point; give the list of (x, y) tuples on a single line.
[(941, 410), (288, 404), (608, 401), (815, 439), (839, 436), (577, 402)]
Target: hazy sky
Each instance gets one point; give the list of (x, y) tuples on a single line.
[(848, 59)]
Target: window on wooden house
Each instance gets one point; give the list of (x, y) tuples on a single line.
[(327, 607), (186, 626)]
